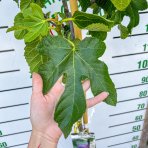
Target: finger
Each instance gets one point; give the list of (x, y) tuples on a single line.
[(37, 83), (57, 90), (86, 85), (99, 98)]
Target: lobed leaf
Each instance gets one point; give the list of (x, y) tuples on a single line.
[(76, 61), (30, 24), (32, 56)]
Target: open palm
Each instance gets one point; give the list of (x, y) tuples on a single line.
[(43, 106)]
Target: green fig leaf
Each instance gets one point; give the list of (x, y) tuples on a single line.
[(76, 61)]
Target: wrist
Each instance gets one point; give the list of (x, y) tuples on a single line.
[(44, 136), (46, 143)]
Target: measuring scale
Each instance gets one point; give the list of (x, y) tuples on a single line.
[(114, 127)]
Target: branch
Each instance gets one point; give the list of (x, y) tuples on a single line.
[(68, 15)]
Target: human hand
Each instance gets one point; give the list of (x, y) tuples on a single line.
[(43, 107)]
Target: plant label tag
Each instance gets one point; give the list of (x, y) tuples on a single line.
[(83, 140)]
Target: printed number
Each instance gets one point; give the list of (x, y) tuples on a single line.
[(136, 128), (143, 93), (134, 146), (139, 118), (144, 79), (147, 28), (135, 138), (145, 47), (141, 106), (1, 133), (3, 145), (143, 64)]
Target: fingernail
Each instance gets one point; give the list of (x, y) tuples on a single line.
[(107, 93)]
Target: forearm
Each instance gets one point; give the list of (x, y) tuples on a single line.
[(38, 140)]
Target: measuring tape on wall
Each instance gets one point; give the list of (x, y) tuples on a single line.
[(114, 127)]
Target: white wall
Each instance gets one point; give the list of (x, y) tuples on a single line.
[(113, 126)]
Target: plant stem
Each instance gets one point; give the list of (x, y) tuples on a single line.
[(51, 19), (68, 15), (78, 34), (52, 23), (68, 19), (74, 7)]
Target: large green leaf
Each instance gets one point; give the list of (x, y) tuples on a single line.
[(92, 22), (121, 4), (75, 61), (33, 58), (30, 24)]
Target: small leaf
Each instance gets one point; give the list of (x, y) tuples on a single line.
[(19, 31), (98, 27), (24, 4), (124, 31), (92, 22), (121, 4), (134, 17), (140, 4), (107, 6), (118, 17), (33, 58), (36, 31), (98, 34), (16, 28), (85, 4), (76, 61), (19, 34), (30, 24)]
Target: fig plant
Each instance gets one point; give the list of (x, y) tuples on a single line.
[(52, 49)]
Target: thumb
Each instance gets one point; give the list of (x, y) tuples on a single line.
[(37, 83)]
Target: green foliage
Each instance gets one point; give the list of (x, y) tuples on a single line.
[(85, 4), (26, 3), (124, 31), (92, 22), (32, 21), (121, 4), (74, 61), (107, 6), (33, 58), (98, 34), (53, 56), (140, 5)]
